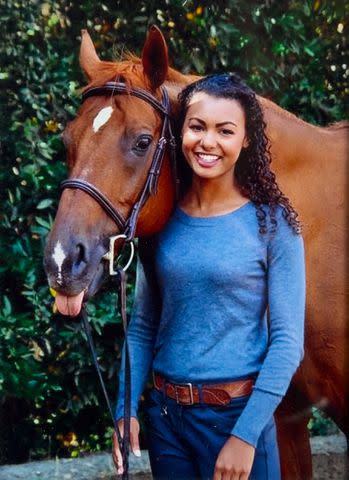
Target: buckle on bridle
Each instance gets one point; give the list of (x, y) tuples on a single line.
[(109, 256), (191, 396)]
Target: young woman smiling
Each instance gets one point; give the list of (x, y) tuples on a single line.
[(220, 294)]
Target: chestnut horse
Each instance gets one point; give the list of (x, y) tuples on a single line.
[(111, 143)]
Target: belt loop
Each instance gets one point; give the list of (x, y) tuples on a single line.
[(199, 385), (162, 383)]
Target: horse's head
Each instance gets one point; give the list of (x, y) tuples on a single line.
[(110, 144)]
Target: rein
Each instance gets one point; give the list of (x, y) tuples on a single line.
[(127, 229)]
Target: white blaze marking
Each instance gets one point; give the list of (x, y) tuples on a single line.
[(102, 118), (59, 256)]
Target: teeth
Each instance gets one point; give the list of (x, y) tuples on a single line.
[(208, 158)]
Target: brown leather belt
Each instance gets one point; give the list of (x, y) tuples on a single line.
[(210, 394)]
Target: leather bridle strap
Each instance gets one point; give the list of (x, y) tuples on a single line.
[(101, 199), (120, 87), (128, 226)]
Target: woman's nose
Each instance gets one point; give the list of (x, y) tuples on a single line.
[(208, 140)]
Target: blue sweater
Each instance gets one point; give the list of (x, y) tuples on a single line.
[(220, 302)]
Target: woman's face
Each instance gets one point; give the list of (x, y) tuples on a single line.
[(213, 135)]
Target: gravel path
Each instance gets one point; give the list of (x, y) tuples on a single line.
[(329, 459)]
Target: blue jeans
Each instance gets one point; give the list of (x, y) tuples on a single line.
[(184, 441)]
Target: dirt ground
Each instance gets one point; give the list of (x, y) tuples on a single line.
[(330, 467)]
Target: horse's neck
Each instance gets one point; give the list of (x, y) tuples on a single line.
[(295, 142), (175, 82), (173, 86), (309, 162), (178, 78)]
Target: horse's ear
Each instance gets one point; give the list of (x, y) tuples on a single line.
[(155, 58), (89, 60)]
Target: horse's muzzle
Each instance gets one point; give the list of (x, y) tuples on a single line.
[(75, 268)]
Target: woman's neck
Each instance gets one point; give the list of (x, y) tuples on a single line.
[(212, 197)]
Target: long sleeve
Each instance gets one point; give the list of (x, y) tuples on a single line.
[(142, 330), (286, 299)]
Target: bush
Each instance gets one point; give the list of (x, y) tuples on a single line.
[(320, 424), (50, 401)]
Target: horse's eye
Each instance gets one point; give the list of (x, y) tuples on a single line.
[(142, 144)]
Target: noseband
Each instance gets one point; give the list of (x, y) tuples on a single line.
[(128, 226)]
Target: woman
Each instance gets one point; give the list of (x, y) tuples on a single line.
[(219, 308)]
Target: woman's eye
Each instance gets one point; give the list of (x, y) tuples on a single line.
[(195, 128), (227, 132), (143, 143)]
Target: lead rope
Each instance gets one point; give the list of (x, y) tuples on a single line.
[(122, 277), (124, 442)]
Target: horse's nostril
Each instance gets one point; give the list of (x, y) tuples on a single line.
[(79, 259), (80, 253)]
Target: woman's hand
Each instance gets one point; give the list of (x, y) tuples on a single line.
[(234, 461), (134, 443)]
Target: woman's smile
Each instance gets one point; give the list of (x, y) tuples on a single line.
[(207, 160)]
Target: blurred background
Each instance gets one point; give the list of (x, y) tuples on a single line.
[(293, 52)]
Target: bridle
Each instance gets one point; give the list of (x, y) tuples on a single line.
[(128, 226), (127, 229)]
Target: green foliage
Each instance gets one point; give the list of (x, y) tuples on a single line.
[(320, 424), (291, 51)]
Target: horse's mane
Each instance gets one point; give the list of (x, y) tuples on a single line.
[(130, 71)]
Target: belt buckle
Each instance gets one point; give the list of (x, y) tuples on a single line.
[(190, 387)]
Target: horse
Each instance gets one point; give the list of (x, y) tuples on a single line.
[(110, 144)]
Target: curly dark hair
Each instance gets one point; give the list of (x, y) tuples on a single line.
[(252, 170)]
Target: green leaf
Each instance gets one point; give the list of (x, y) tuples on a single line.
[(309, 52), (7, 308), (47, 202), (43, 223)]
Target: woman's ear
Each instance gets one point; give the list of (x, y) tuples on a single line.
[(246, 142)]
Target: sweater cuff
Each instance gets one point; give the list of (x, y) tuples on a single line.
[(255, 416), (119, 411)]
